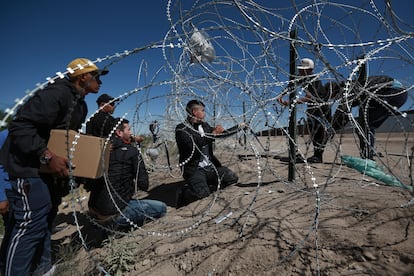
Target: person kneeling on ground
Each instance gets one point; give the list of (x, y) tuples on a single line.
[(201, 169), (107, 199)]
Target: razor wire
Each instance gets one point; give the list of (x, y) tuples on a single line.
[(232, 55)]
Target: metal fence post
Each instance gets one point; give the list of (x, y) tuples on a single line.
[(292, 107)]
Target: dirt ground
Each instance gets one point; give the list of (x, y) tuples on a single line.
[(332, 220)]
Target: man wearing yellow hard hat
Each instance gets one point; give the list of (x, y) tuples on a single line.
[(36, 196)]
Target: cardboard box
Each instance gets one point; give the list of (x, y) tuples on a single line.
[(87, 154)]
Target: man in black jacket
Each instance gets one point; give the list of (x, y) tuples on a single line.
[(318, 111), (102, 123), (201, 169), (378, 97), (34, 196), (112, 200)]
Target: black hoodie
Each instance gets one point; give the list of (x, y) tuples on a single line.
[(57, 106), (190, 142), (125, 164)]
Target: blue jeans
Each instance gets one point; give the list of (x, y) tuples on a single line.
[(29, 245), (140, 212)]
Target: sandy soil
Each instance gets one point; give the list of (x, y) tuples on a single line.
[(332, 220)]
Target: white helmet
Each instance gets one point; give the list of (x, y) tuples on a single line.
[(306, 63)]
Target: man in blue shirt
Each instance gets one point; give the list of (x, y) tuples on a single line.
[(4, 206), (4, 183)]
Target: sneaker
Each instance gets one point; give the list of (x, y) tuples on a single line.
[(314, 159), (379, 154), (299, 159)]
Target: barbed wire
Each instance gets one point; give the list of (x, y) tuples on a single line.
[(233, 55)]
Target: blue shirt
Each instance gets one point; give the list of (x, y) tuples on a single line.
[(4, 183)]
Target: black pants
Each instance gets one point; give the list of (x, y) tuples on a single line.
[(319, 133), (202, 181)]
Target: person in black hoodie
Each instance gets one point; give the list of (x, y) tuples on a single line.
[(102, 123), (34, 197), (112, 200), (377, 97), (200, 167)]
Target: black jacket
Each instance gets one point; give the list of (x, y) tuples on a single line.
[(125, 163), (317, 107), (57, 106), (377, 89), (101, 124), (189, 141)]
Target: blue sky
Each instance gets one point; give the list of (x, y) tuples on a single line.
[(41, 37)]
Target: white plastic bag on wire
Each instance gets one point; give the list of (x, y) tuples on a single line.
[(200, 47)]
